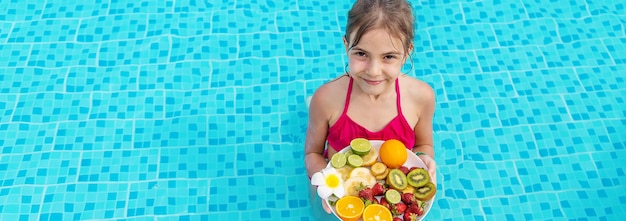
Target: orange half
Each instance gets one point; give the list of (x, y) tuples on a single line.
[(377, 212), (349, 208)]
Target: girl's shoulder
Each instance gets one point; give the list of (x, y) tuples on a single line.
[(331, 95), (417, 89)]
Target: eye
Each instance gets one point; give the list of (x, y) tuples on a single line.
[(389, 57), (359, 53)]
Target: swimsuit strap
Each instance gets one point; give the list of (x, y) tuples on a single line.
[(345, 107), (398, 97)]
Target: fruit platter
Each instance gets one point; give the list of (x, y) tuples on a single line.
[(382, 180)]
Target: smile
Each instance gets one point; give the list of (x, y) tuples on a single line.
[(370, 82)]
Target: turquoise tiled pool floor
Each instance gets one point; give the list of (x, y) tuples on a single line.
[(194, 110)]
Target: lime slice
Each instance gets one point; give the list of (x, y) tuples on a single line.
[(392, 196), (355, 160), (360, 146), (338, 160)]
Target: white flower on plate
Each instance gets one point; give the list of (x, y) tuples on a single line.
[(328, 182)]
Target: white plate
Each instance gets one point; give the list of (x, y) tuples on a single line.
[(411, 161)]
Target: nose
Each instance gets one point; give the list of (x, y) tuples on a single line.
[(374, 68)]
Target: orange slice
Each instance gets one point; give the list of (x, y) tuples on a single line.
[(377, 212), (349, 208)]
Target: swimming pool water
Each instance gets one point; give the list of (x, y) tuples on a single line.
[(195, 110)]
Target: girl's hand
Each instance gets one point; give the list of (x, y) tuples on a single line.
[(431, 164), (325, 206)]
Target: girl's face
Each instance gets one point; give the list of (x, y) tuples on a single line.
[(375, 62)]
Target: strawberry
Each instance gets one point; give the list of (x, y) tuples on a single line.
[(378, 189), (409, 216), (413, 208), (408, 198), (404, 170), (398, 209), (397, 219), (384, 202), (366, 194), (413, 168)]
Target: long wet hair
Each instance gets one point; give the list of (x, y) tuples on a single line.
[(396, 16)]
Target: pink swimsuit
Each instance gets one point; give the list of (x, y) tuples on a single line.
[(345, 129)]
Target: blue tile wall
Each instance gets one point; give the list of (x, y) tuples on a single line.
[(195, 110)]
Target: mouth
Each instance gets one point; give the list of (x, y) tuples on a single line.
[(371, 82)]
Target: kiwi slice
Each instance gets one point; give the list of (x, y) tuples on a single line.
[(396, 179), (425, 192), (418, 177)]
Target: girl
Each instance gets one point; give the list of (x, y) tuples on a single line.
[(373, 99)]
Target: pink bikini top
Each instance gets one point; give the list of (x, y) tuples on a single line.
[(345, 129)]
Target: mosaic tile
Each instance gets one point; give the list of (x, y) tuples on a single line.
[(493, 12), (242, 21), (294, 69), (5, 30), (61, 30), (576, 54), (321, 5), (251, 160), (141, 6), (572, 30), (261, 5), (314, 43), (26, 10), (466, 37), (206, 47), (40, 168), (485, 85), (168, 197), (74, 9), (539, 31), (262, 45), (613, 127), (62, 55), (191, 6), (32, 80), (135, 52), (26, 138), (84, 201), (306, 21), (51, 107), (547, 81), (606, 105), (606, 7), (614, 47), (601, 78), (553, 9), (532, 110), (433, 15), (117, 165), (90, 79), (14, 55), (248, 101), (510, 59), (493, 145), (234, 129), (252, 192), (181, 24), (484, 115), (244, 72), (189, 75), (445, 62), (126, 105)]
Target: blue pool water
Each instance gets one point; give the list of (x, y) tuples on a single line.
[(195, 110)]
